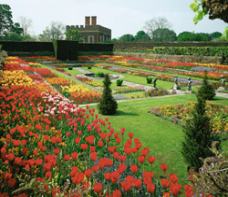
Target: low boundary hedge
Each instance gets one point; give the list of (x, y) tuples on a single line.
[(197, 51)]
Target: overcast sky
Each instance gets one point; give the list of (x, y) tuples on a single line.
[(122, 16)]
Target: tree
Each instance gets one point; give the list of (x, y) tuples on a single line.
[(225, 34), (156, 23), (163, 35), (206, 90), (127, 38), (202, 37), (191, 36), (13, 36), (26, 23), (215, 35), (214, 8), (142, 36), (72, 33), (16, 28), (107, 105), (54, 32), (186, 36), (6, 21), (198, 136)]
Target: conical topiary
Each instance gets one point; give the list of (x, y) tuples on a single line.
[(206, 90), (108, 104), (198, 136)]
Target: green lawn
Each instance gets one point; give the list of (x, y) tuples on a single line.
[(72, 72), (162, 136), (133, 78)]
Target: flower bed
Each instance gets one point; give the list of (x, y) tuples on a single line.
[(161, 65), (89, 81), (80, 94), (58, 81), (126, 89), (50, 147), (180, 113), (17, 77), (44, 72)]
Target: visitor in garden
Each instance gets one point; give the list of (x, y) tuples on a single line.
[(223, 82), (155, 83), (189, 84), (176, 85)]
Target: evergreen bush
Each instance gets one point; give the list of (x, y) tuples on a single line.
[(206, 91), (108, 104), (149, 80), (100, 74), (198, 136), (119, 82)]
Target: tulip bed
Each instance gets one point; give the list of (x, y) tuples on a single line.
[(159, 66), (180, 113), (51, 147), (89, 81)]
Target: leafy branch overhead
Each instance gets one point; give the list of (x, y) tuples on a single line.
[(216, 9)]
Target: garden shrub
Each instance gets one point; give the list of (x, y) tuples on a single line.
[(107, 105), (206, 91), (149, 80), (119, 82), (100, 74), (198, 136)]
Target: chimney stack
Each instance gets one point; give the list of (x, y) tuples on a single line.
[(87, 21), (94, 20)]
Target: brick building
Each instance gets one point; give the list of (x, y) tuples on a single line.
[(92, 32)]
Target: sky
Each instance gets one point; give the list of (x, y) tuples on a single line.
[(122, 16)]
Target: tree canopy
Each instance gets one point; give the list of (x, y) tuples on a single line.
[(72, 34), (156, 23), (142, 36), (6, 21), (216, 9), (53, 32), (191, 36), (164, 35), (127, 38)]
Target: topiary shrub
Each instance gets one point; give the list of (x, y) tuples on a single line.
[(198, 136), (149, 80), (108, 104), (89, 67), (119, 82), (70, 68), (100, 74), (206, 91)]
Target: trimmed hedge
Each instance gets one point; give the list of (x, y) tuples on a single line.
[(25, 48), (197, 51), (63, 49), (66, 50)]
